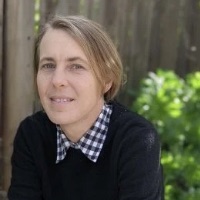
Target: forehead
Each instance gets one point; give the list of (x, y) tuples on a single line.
[(57, 41)]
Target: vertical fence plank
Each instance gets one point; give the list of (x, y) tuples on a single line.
[(89, 4), (1, 60), (192, 30), (73, 7), (47, 9), (62, 8), (109, 18), (68, 7), (1, 68), (170, 32), (155, 37), (195, 47), (189, 49), (18, 73)]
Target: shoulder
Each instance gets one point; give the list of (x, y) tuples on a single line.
[(36, 134), (130, 127), (36, 126), (37, 117), (125, 117), (36, 120)]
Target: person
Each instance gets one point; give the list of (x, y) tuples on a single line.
[(84, 144)]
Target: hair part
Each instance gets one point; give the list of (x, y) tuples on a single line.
[(97, 46)]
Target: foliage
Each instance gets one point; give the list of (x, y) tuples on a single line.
[(37, 15), (173, 105)]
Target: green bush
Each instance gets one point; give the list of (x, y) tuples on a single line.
[(173, 105)]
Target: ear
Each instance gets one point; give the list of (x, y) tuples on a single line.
[(107, 87)]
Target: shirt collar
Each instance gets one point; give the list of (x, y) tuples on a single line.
[(91, 143)]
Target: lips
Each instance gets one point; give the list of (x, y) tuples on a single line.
[(61, 99)]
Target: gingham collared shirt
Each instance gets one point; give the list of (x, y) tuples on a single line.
[(91, 143)]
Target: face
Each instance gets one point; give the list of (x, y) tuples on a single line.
[(68, 89)]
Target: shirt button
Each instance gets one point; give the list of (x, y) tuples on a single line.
[(73, 144)]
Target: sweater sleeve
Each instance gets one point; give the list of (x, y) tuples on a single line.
[(140, 174), (25, 182)]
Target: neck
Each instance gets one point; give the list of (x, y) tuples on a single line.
[(74, 132)]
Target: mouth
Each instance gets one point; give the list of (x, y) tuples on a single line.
[(61, 100)]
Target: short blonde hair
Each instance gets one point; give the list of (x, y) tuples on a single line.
[(97, 46)]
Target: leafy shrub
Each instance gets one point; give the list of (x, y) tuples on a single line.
[(173, 105)]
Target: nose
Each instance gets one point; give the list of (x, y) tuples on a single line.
[(59, 78)]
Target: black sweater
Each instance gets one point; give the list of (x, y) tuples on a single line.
[(128, 167)]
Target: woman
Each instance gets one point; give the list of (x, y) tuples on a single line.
[(84, 145)]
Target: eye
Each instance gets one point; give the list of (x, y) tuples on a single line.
[(48, 66), (76, 67)]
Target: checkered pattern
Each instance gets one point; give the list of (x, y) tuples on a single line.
[(91, 143)]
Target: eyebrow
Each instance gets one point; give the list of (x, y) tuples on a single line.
[(76, 58), (46, 59), (70, 59)]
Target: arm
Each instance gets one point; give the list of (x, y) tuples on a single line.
[(25, 182), (140, 174)]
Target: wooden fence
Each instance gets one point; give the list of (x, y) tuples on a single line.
[(149, 35)]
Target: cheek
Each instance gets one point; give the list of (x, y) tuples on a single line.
[(38, 82), (41, 84), (97, 89)]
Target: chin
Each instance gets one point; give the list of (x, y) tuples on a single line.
[(57, 117)]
